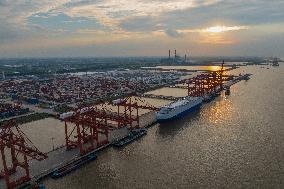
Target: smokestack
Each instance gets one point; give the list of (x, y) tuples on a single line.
[(169, 54), (175, 53), (185, 57)]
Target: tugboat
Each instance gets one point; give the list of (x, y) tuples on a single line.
[(133, 135), (228, 91), (64, 170), (247, 77), (208, 97), (216, 94), (275, 62)]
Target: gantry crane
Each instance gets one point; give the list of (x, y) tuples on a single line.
[(131, 106), (83, 126), (206, 83), (16, 145)]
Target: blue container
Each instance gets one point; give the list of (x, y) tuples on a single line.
[(41, 186), (33, 101)]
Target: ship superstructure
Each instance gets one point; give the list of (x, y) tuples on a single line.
[(275, 62)]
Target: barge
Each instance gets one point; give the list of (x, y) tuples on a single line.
[(132, 136), (72, 166)]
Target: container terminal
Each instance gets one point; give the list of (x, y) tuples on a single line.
[(73, 89), (104, 110)]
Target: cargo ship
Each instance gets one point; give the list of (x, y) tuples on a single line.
[(178, 108)]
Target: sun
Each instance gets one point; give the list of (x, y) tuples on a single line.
[(216, 29)]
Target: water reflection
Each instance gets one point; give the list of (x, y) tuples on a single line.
[(219, 111), (214, 68), (191, 68), (172, 128)]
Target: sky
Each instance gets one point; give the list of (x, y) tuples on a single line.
[(95, 28)]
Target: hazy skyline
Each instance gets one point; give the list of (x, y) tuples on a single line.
[(60, 28)]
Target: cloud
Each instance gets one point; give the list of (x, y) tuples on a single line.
[(14, 18), (228, 12), (142, 23), (3, 2), (173, 33), (124, 8), (112, 13), (216, 40), (25, 23)]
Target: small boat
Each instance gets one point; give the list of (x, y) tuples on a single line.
[(247, 77), (216, 94), (228, 91), (64, 170), (208, 98), (133, 135)]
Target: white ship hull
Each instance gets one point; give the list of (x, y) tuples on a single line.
[(178, 108)]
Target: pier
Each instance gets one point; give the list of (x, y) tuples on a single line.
[(161, 97), (237, 79), (178, 87)]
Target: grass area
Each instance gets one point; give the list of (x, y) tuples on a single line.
[(29, 118), (62, 109)]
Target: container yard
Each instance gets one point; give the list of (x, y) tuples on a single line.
[(73, 89), (11, 110)]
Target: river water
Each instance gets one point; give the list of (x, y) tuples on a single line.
[(235, 141)]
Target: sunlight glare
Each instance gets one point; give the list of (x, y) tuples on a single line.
[(219, 29)]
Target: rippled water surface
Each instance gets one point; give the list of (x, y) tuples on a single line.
[(231, 142)]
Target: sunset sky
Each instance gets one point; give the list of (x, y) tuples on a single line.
[(78, 28)]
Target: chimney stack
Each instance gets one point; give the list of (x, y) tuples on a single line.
[(169, 54), (175, 53)]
